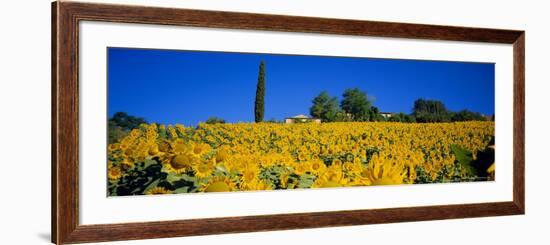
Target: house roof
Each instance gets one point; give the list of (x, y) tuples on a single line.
[(301, 116)]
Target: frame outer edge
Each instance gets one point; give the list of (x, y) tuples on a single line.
[(519, 122), (65, 124), (54, 220), (65, 220)]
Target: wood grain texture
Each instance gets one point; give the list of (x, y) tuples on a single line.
[(54, 123), (234, 20), (519, 122), (65, 122), (149, 230)]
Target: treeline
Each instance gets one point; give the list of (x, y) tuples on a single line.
[(120, 124), (357, 107), (435, 111)]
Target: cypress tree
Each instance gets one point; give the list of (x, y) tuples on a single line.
[(260, 95)]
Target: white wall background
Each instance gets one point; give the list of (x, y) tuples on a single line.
[(25, 121)]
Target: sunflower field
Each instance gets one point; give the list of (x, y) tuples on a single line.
[(158, 159)]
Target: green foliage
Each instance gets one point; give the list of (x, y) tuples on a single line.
[(354, 107), (125, 121), (435, 111), (464, 169), (272, 175), (464, 158), (474, 168), (484, 159), (214, 120), (147, 175), (370, 151), (143, 176), (375, 116), (260, 95), (430, 111), (402, 117), (342, 116), (325, 107), (447, 174), (273, 120), (306, 180), (451, 173), (356, 103), (422, 176), (466, 115), (115, 132), (179, 183), (120, 124)]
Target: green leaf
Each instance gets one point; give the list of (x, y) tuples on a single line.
[(149, 162), (184, 189), (306, 181), (173, 177), (152, 185), (465, 159), (188, 178)]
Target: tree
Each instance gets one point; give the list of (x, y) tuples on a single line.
[(115, 133), (324, 107), (401, 117), (125, 121), (260, 95), (375, 116), (430, 111), (466, 115), (214, 120), (120, 124), (409, 118), (356, 103)]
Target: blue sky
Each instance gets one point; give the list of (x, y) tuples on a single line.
[(187, 87)]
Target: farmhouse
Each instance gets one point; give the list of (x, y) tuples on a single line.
[(302, 119), (386, 115)]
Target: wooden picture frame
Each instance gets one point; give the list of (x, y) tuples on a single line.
[(65, 121)]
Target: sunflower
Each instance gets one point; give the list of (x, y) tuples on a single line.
[(386, 173), (157, 191), (124, 145), (336, 162), (200, 149), (203, 169), (352, 168), (360, 181), (127, 163), (180, 146), (218, 184), (283, 179), (182, 162), (249, 174), (325, 183), (153, 150), (222, 155), (259, 185), (114, 146), (302, 156), (249, 178), (164, 146), (114, 173), (302, 168), (491, 170), (318, 166)]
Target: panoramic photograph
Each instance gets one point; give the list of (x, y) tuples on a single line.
[(203, 121)]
